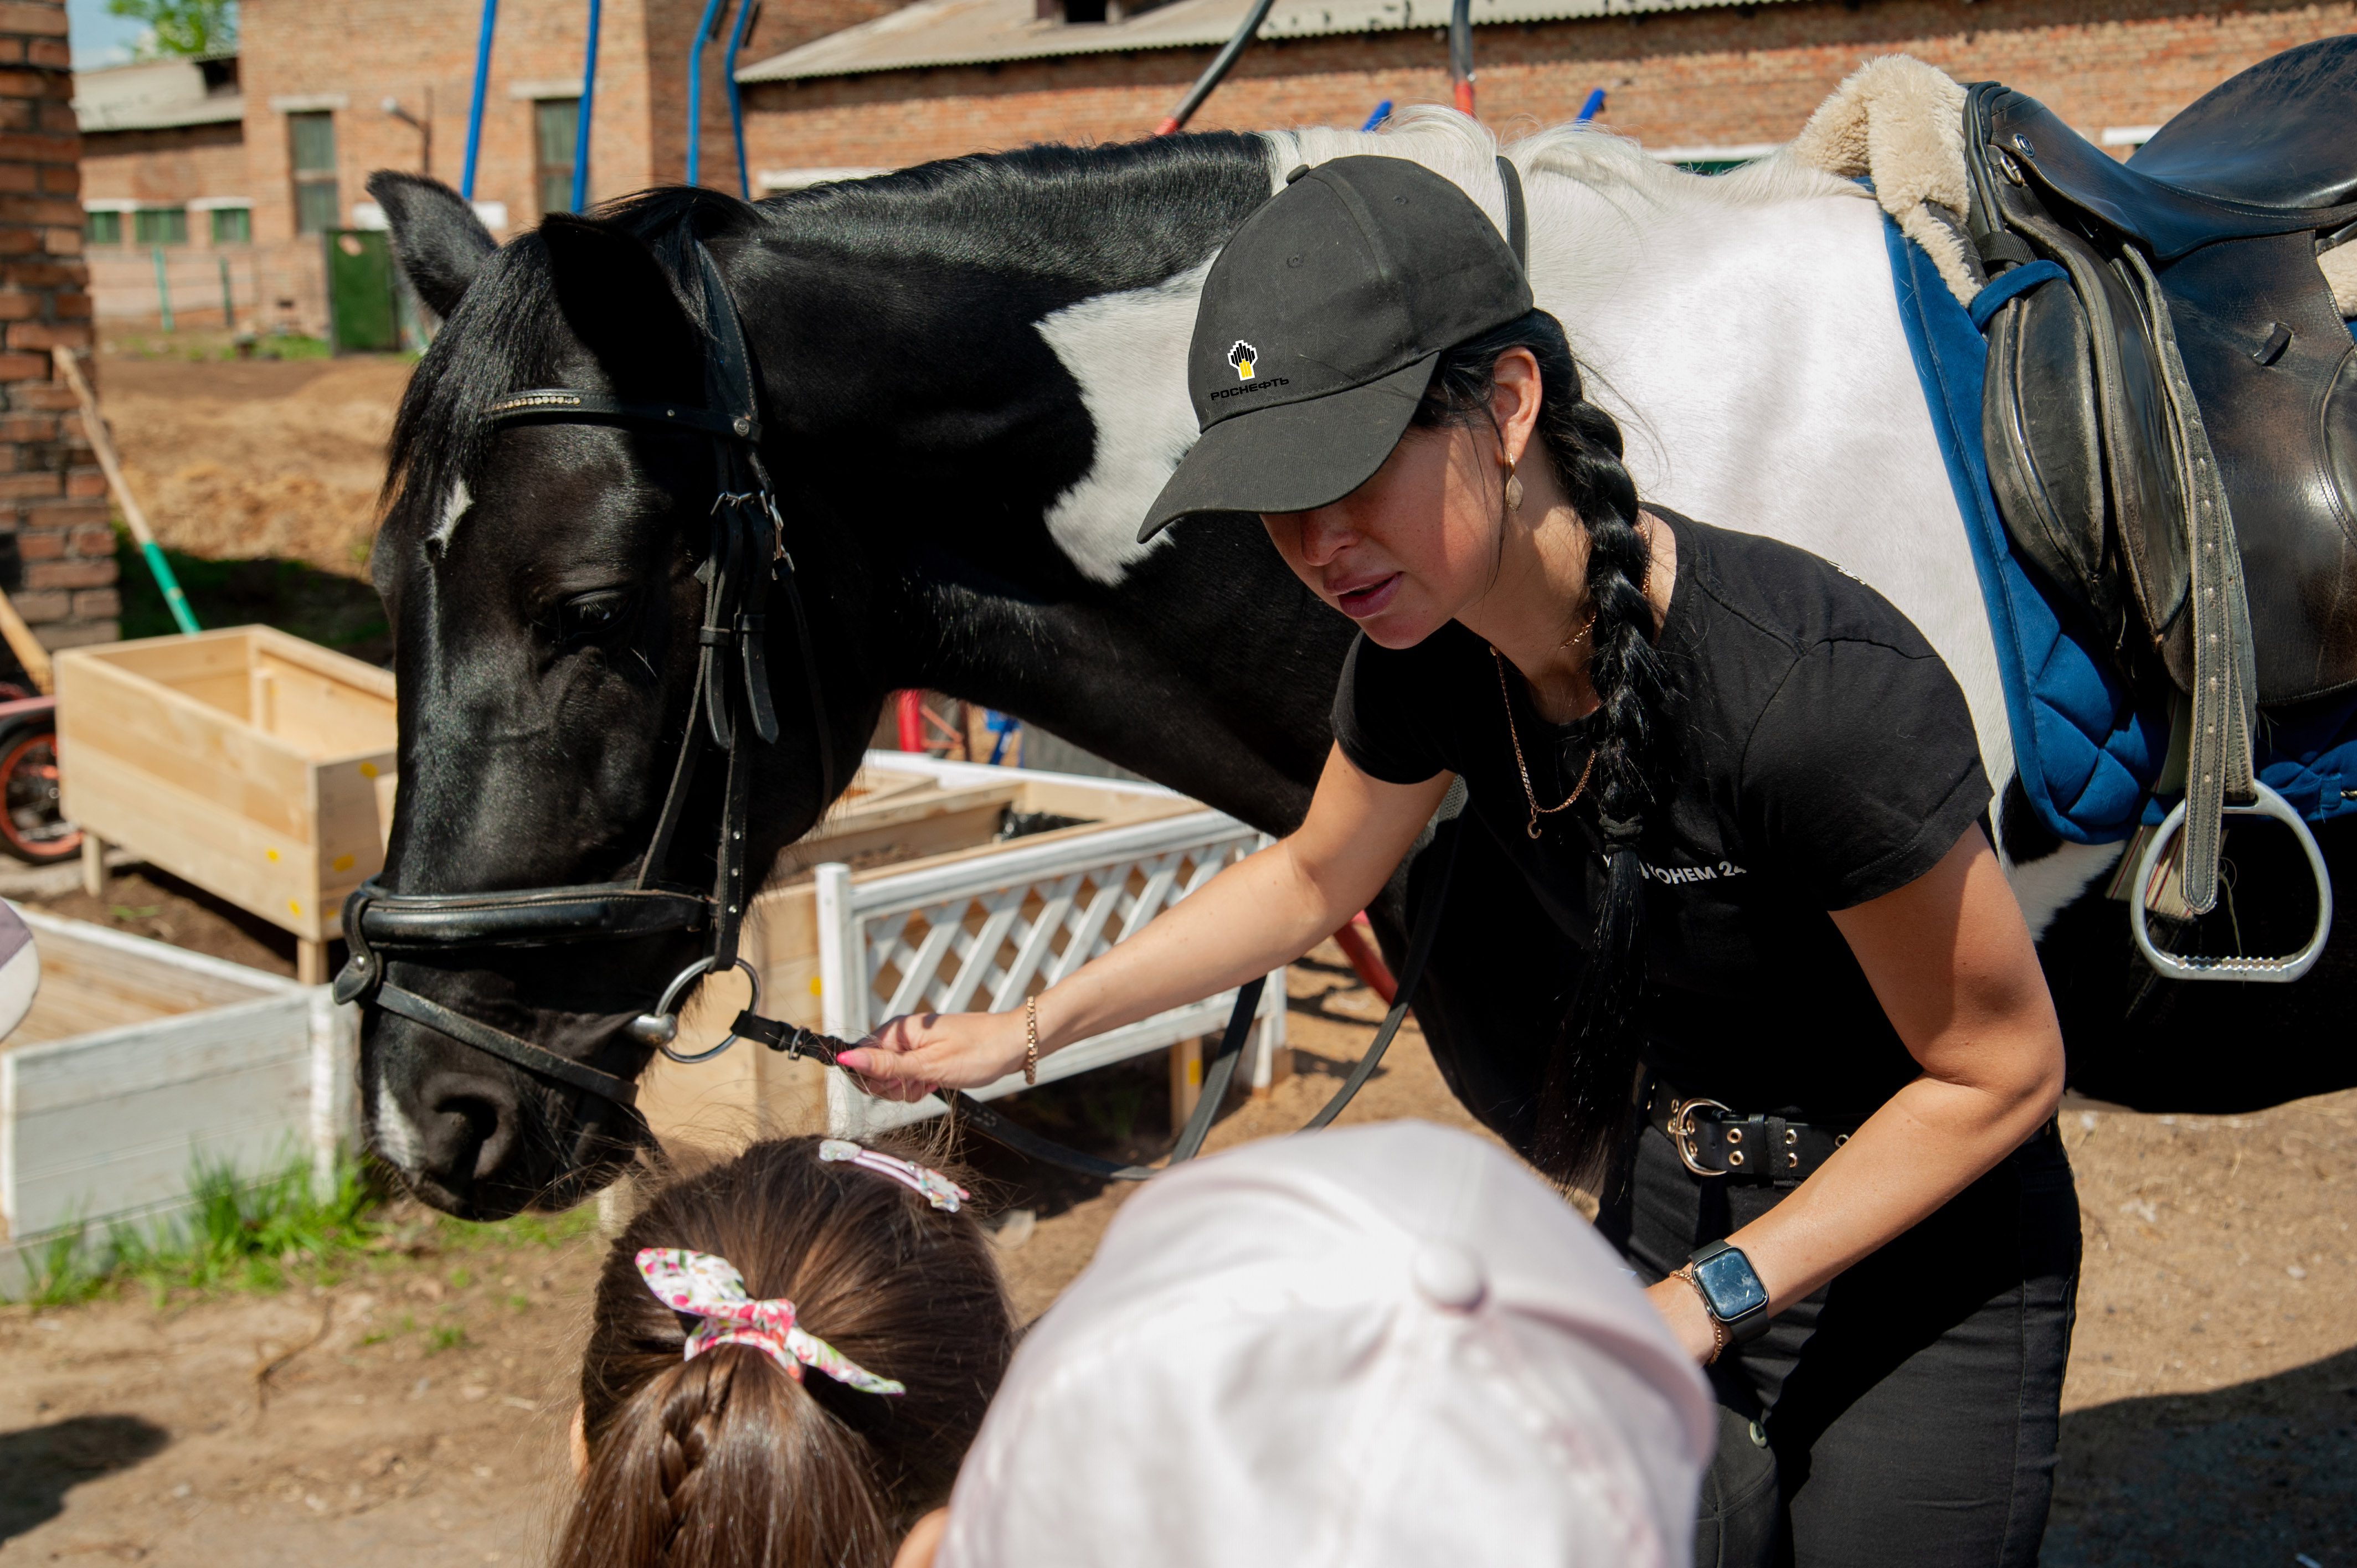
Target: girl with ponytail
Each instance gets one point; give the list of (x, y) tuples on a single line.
[(1807, 1060), (788, 1356)]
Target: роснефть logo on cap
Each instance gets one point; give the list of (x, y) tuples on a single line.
[(1241, 356)]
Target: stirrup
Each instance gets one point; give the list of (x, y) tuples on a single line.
[(2286, 968)]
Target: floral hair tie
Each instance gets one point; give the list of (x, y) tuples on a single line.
[(711, 1289), (927, 1183)]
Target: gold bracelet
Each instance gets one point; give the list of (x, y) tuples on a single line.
[(1030, 1039), (1717, 1329)]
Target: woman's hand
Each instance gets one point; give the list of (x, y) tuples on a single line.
[(913, 1055), (1680, 1306)]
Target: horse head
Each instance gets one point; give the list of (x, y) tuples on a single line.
[(550, 581)]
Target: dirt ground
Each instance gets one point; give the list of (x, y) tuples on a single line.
[(415, 1412), (241, 459)]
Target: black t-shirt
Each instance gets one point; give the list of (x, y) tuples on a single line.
[(1821, 756)]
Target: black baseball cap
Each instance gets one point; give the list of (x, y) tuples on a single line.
[(1320, 326)]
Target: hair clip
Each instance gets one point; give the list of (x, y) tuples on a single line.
[(927, 1183), (711, 1289)]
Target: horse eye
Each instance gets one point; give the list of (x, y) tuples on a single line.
[(592, 615)]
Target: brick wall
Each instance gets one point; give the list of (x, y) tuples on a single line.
[(1724, 77), (169, 166), (53, 497)]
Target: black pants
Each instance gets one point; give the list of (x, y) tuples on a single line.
[(1909, 1411)]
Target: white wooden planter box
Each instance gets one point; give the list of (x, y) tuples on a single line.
[(138, 1062)]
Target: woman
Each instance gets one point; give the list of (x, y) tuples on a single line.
[(1740, 781)]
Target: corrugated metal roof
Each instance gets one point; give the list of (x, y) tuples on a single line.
[(977, 32)]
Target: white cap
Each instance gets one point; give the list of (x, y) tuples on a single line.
[(1387, 1345)]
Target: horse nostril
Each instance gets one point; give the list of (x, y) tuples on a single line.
[(469, 1127)]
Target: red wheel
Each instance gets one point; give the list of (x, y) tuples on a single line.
[(31, 825)]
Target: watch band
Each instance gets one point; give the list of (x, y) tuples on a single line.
[(1717, 1328)]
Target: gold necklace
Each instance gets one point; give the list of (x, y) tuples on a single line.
[(1524, 768)]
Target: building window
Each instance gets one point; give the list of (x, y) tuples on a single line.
[(232, 225), (554, 124), (160, 226), (103, 228), (311, 146)]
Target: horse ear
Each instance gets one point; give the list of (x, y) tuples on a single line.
[(620, 304), (441, 243)]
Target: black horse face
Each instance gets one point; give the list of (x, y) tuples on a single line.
[(543, 583)]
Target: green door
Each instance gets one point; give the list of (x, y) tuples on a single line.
[(359, 291)]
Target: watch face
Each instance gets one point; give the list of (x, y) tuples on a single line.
[(1730, 1286)]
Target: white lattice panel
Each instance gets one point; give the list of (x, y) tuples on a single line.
[(982, 934)]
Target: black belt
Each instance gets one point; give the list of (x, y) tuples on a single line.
[(1714, 1141)]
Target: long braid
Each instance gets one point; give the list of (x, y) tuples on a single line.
[(1584, 1102), (687, 1420)]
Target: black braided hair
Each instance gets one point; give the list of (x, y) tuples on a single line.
[(1583, 1104)]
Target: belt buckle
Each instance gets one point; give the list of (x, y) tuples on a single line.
[(1682, 1131)]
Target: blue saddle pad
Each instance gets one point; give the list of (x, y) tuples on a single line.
[(2088, 751)]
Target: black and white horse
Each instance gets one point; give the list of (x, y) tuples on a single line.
[(971, 387)]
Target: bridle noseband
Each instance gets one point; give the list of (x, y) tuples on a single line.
[(748, 557)]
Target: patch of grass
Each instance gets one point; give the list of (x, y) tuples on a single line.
[(60, 1273), (253, 1235), (444, 1337), (320, 606), (525, 1230), (262, 1234), (518, 1301), (286, 346)]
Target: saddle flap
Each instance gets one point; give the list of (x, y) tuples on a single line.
[(2045, 451), (2097, 392)]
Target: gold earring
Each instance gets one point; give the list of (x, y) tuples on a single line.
[(1513, 490)]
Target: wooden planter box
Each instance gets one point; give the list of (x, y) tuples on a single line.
[(137, 1062), (913, 900), (253, 764)]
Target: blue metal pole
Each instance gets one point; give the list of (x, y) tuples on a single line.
[(1593, 107), (475, 111), (735, 98), (581, 128), (695, 87)]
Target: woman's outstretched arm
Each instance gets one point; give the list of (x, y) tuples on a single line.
[(1269, 909)]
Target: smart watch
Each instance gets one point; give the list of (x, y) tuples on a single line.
[(1730, 1290)]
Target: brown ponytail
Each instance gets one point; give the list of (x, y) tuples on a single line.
[(1583, 1104), (727, 1462)]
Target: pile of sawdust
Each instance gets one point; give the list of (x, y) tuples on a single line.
[(292, 475)]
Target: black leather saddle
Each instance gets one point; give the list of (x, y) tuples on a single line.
[(2190, 348)]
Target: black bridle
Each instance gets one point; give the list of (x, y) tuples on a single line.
[(748, 557), (732, 697)]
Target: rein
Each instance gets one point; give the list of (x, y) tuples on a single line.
[(731, 697)]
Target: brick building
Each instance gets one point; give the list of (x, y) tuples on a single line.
[(198, 172), (1699, 80), (56, 554), (207, 170)]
